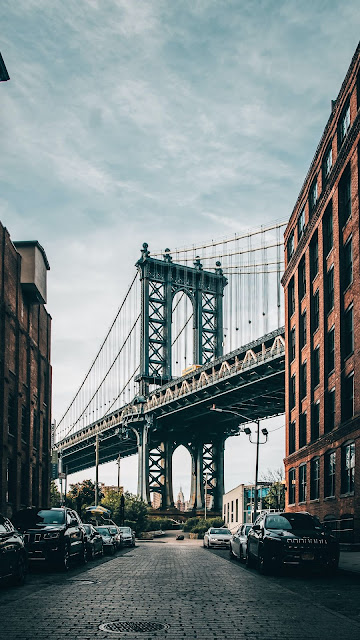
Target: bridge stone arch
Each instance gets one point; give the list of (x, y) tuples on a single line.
[(160, 281)]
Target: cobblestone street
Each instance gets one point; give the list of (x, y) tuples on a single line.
[(194, 592)]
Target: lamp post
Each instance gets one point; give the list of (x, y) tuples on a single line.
[(247, 431)]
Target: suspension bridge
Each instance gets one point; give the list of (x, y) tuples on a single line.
[(186, 336)]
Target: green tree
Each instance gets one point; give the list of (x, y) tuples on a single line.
[(82, 495), (136, 513), (112, 502), (275, 498), (55, 499)]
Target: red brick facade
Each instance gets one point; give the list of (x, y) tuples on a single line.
[(25, 386), (322, 313)]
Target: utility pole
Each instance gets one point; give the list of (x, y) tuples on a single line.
[(256, 469), (118, 465), (96, 468)]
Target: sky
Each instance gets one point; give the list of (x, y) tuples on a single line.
[(167, 122)]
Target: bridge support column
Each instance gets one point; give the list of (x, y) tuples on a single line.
[(197, 488), (168, 498), (143, 462), (218, 457)]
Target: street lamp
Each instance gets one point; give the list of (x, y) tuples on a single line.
[(247, 431)]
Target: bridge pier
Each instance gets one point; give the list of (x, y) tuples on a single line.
[(143, 461)]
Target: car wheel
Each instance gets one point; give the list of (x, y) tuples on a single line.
[(241, 557), (208, 545), (91, 553), (20, 574), (112, 552), (101, 552), (64, 563)]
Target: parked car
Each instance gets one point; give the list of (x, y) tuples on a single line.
[(94, 542), (180, 536), (128, 536), (109, 541), (217, 538), (13, 556), (116, 534), (238, 542), (53, 536), (295, 539)]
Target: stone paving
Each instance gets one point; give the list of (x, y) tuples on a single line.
[(196, 593)]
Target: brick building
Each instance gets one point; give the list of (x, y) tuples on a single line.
[(322, 314), (25, 376)]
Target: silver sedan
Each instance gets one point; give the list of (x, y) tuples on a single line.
[(238, 542), (217, 538)]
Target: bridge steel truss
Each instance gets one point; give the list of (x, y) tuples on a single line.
[(161, 280), (250, 380)]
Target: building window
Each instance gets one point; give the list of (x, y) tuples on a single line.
[(301, 223), (330, 352), (329, 410), (348, 468), (327, 164), (232, 510), (302, 329), (302, 278), (292, 485), (302, 430), (302, 483), (315, 310), (330, 289), (329, 474), (292, 344), (292, 394), (344, 124), (315, 421), (313, 196), (237, 509), (315, 479), (290, 246), (328, 229), (348, 397), (348, 267), (303, 380), (348, 332), (345, 196), (291, 297), (314, 256), (292, 429), (24, 423)]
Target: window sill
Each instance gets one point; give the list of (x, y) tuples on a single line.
[(346, 223), (327, 498), (347, 495), (348, 355), (348, 287), (331, 372), (314, 499), (315, 330), (302, 502)]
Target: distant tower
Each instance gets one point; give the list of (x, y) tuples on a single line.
[(180, 502)]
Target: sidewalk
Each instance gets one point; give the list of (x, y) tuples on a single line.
[(350, 561)]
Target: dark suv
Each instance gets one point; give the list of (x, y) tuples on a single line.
[(52, 535), (290, 539)]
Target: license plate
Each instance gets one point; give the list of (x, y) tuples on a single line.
[(307, 556)]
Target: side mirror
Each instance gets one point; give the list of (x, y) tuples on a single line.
[(256, 527), (73, 522)]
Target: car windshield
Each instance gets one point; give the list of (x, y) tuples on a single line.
[(112, 529), (125, 530), (33, 518), (220, 532), (103, 530), (87, 528), (247, 529), (290, 521)]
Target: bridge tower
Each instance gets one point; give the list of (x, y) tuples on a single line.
[(161, 280)]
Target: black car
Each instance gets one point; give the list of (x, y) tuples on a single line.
[(94, 542), (291, 539), (53, 535), (13, 556)]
